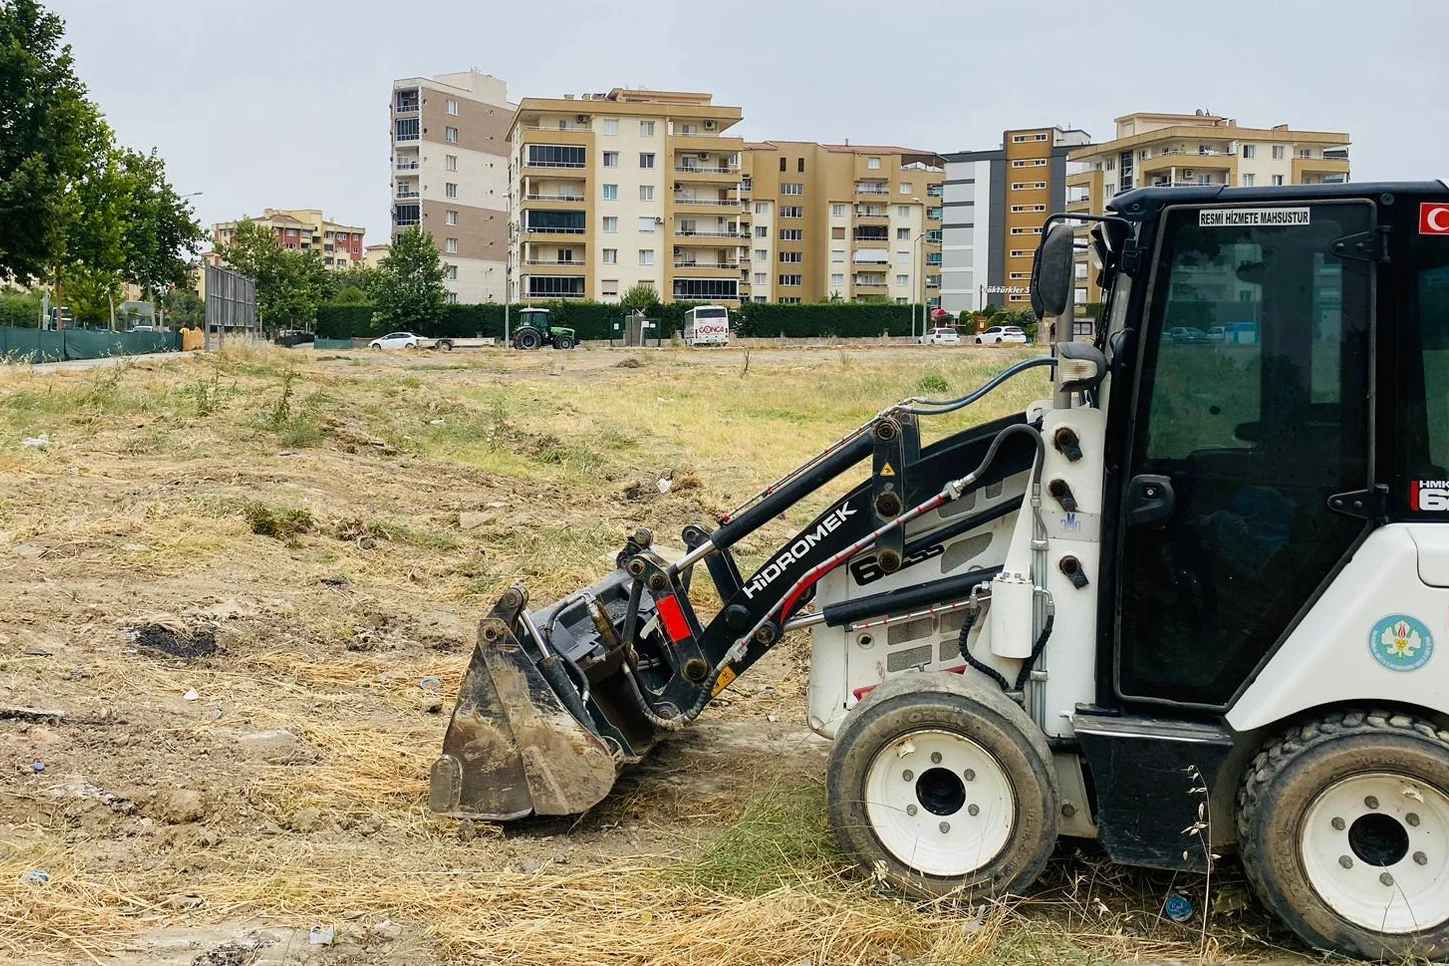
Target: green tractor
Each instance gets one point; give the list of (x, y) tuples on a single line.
[(534, 330)]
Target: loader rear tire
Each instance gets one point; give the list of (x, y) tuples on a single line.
[(1343, 831), (940, 785)]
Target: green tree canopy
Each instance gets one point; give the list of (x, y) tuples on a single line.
[(640, 298), (408, 291), (290, 283)]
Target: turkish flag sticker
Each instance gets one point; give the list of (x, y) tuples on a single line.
[(1433, 218)]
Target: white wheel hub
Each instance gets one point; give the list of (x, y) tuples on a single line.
[(939, 802), (1376, 850)]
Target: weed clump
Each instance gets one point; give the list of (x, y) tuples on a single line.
[(933, 382), (283, 525)]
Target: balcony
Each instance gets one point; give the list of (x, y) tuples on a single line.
[(553, 230), (531, 163), (705, 173), (881, 240), (408, 191), (870, 281), (406, 102), (1187, 162), (707, 234), (1318, 166), (570, 126), (706, 202), (573, 137), (707, 266), (864, 213), (872, 188), (407, 164)]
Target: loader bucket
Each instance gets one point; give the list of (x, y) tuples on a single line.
[(513, 747)]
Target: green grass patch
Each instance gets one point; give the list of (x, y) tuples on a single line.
[(782, 838), (283, 525)]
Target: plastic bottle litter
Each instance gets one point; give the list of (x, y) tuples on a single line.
[(190, 695), (430, 684), (38, 877), (37, 767), (36, 442), (1179, 909), (321, 936)]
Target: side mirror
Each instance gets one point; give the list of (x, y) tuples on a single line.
[(1051, 273)]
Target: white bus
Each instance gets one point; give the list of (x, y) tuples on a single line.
[(707, 325)]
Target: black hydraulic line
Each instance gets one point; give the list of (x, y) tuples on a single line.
[(554, 672), (793, 491), (940, 407), (1036, 649), (903, 601), (964, 524), (965, 648)]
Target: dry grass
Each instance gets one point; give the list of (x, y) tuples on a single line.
[(146, 507)]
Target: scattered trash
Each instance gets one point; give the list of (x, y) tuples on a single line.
[(38, 877), (36, 442), (37, 767), (430, 684), (32, 715), (530, 866), (190, 695), (37, 652), (174, 641), (665, 485), (185, 900), (387, 929), (321, 936), (78, 673), (772, 718), (1179, 909)]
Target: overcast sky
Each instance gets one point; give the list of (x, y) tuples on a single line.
[(284, 103)]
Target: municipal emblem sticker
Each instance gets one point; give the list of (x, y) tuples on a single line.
[(1401, 643)]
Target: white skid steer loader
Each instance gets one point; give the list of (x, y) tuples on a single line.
[(1215, 558)]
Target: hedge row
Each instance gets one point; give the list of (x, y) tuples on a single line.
[(597, 320)]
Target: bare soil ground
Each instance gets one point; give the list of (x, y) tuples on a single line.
[(227, 583)]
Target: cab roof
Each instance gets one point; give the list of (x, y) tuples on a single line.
[(1140, 203)]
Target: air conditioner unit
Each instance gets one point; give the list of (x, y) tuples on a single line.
[(704, 155), (1187, 172), (581, 118), (658, 220), (709, 125)]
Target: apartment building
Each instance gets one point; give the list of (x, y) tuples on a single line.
[(841, 221), (996, 202), (1175, 150), (305, 229), (616, 189), (450, 175)]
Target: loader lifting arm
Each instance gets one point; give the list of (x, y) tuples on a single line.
[(555, 701)]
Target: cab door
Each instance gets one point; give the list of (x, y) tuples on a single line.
[(1250, 414)]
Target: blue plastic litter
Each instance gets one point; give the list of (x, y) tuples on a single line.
[(1179, 909)]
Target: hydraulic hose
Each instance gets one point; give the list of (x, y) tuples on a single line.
[(1046, 631), (991, 672)]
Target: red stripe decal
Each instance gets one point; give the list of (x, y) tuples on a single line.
[(674, 623), (862, 692)]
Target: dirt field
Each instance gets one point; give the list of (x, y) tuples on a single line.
[(228, 580)]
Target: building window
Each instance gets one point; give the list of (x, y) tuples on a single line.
[(611, 192), (611, 224), (761, 231), (837, 279), (903, 280), (792, 211), (762, 207), (1250, 151), (407, 129), (1027, 186), (791, 234), (611, 159), (1022, 253), (1021, 276), (646, 224), (453, 108), (792, 258), (610, 126), (783, 162), (1020, 208), (1278, 152), (450, 135), (452, 298), (646, 159), (1277, 179), (609, 286), (450, 162), (450, 190), (646, 129), (761, 278), (646, 256), (903, 234), (903, 258), (792, 280), (1026, 231), (792, 189), (452, 273), (646, 192), (837, 211), (451, 217), (903, 211), (451, 246), (873, 164), (1111, 188), (1248, 180), (800, 165), (611, 256), (837, 255), (837, 232), (1029, 163), (557, 156)]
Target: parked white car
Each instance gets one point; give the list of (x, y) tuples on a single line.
[(941, 335), (397, 340), (998, 334)]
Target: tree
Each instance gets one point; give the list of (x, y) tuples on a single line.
[(290, 283), (351, 295), (20, 309), (358, 277), (408, 291), (640, 298), (184, 308)]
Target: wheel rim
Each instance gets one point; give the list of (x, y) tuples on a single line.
[(939, 802), (1375, 848)]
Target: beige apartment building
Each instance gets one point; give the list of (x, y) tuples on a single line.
[(305, 229), (631, 186), (450, 175), (1177, 150), (840, 221)]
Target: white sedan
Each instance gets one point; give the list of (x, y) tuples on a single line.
[(397, 340), (998, 334), (941, 335)]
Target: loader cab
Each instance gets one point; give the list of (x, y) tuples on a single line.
[(1243, 471)]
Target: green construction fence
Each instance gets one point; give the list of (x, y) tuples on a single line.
[(46, 345)]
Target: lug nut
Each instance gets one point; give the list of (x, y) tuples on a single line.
[(1412, 818), (1386, 879), (1345, 861), (1371, 802), (935, 757), (969, 774), (1338, 824), (907, 775), (910, 809), (973, 810), (1420, 858), (945, 827)]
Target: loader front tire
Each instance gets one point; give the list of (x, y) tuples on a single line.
[(1343, 830), (940, 785)]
